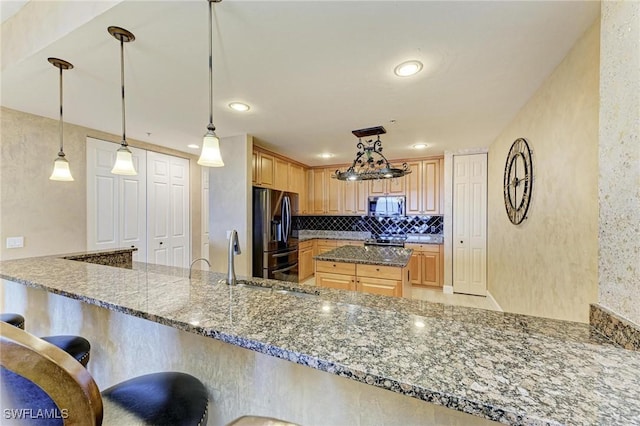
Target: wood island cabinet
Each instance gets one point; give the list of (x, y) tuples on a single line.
[(375, 279), (305, 259), (426, 264)]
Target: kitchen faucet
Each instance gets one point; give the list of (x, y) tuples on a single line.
[(234, 248), (200, 258)]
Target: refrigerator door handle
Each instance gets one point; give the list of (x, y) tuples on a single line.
[(285, 254), (286, 218), (288, 268)]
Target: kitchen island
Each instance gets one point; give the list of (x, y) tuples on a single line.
[(324, 356), (369, 269)]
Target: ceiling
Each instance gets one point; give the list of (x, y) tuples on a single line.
[(311, 71)]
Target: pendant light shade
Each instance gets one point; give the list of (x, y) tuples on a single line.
[(124, 158), (210, 155), (61, 169)]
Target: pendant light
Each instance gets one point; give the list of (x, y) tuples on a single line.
[(370, 163), (124, 158), (61, 165), (210, 155)]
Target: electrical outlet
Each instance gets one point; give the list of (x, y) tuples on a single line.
[(15, 242)]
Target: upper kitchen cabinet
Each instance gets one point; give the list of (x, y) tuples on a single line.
[(263, 169), (387, 186), (281, 174), (325, 192), (423, 187), (298, 184), (355, 197)]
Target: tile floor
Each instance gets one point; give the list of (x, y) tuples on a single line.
[(437, 296)]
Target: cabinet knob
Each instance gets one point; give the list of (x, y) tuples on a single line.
[(161, 242)]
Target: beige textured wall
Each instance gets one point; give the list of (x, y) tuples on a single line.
[(52, 216), (547, 266), (230, 204), (619, 280)]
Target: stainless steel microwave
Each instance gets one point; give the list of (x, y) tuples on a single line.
[(387, 206)]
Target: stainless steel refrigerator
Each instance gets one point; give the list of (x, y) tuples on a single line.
[(275, 252)]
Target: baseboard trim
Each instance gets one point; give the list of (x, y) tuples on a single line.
[(494, 301), (447, 289)]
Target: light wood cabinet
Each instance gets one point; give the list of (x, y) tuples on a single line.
[(334, 190), (356, 195), (393, 186), (318, 197), (426, 264), (281, 174), (265, 170), (375, 279), (298, 184), (423, 187), (305, 260)]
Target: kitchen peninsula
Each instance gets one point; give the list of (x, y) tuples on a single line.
[(331, 357), (369, 269)]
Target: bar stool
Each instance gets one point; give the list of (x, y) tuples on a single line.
[(40, 376), (76, 346)]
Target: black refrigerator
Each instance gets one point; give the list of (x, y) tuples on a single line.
[(275, 252)]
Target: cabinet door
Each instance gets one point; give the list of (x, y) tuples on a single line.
[(431, 269), (333, 192), (379, 286), (319, 196), (350, 197), (415, 268), (254, 168), (339, 281), (305, 263), (431, 187), (378, 187), (298, 184), (362, 198), (265, 173), (414, 188), (395, 186), (281, 174)]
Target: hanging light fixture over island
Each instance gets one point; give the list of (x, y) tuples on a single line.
[(210, 155), (61, 169), (370, 163)]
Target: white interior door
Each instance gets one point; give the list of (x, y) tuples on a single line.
[(168, 209), (116, 205), (470, 224)]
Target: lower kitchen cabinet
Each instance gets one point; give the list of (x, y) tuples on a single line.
[(305, 260), (426, 264), (375, 279)]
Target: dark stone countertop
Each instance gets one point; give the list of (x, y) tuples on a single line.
[(369, 255), (511, 368)]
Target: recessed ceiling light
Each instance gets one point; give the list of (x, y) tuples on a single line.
[(420, 146), (193, 146), (326, 155), (408, 68), (239, 106)]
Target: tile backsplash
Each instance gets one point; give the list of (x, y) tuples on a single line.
[(375, 225)]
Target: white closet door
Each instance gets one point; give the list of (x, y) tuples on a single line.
[(470, 224), (116, 205), (168, 209)]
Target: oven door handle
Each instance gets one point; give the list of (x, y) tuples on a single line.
[(288, 268), (284, 254)]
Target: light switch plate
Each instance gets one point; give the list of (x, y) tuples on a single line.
[(15, 242)]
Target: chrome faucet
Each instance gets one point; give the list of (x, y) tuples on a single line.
[(234, 248), (200, 258)]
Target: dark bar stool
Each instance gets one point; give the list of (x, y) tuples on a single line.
[(76, 346), (51, 379)]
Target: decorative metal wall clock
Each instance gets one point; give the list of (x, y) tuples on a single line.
[(518, 181)]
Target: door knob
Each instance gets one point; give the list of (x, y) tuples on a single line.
[(161, 242)]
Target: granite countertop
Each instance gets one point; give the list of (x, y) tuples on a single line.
[(369, 255), (306, 235), (511, 368)]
